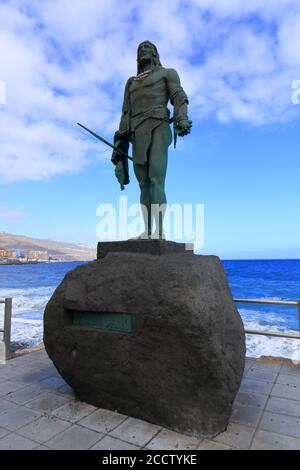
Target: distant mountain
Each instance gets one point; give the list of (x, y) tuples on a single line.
[(64, 251)]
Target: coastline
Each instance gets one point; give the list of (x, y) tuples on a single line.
[(20, 263)]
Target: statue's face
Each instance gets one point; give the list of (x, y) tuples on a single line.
[(145, 51)]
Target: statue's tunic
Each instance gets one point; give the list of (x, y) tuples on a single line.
[(145, 108)]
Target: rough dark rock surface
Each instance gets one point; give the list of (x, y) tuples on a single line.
[(181, 366)]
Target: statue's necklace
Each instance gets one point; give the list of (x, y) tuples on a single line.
[(142, 75)]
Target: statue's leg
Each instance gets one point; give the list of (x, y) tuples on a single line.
[(141, 173), (158, 161)]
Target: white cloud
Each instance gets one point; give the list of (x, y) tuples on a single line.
[(11, 214), (289, 41), (65, 62)]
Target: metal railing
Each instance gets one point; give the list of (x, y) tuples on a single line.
[(290, 303), (5, 344)]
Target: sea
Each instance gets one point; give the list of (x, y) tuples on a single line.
[(31, 286)]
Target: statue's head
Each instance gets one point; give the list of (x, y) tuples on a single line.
[(147, 51)]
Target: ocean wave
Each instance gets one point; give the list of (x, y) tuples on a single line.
[(258, 345), (29, 302), (287, 319)]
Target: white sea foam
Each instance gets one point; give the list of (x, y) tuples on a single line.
[(30, 300), (27, 319), (258, 345), (274, 322)]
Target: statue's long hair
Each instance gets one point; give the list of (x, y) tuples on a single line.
[(156, 60)]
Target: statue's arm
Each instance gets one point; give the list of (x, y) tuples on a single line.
[(122, 135), (179, 100), (124, 126)]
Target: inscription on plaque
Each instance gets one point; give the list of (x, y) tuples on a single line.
[(107, 321)]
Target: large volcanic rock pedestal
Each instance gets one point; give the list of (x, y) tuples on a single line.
[(152, 331)]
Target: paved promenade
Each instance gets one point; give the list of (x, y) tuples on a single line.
[(39, 411)]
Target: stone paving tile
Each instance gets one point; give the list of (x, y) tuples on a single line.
[(251, 399), (48, 401), (102, 420), (283, 406), (249, 361), (21, 361), (18, 417), (9, 387), (111, 443), (9, 373), (52, 383), (256, 386), (6, 374), (288, 379), (3, 432), (247, 415), (6, 405), (44, 429), (236, 436), (22, 366), (55, 397), (40, 352), (25, 394), (255, 373), (265, 440), (51, 371), (65, 390), (39, 366), (291, 392), (207, 444), (170, 440), (135, 431), (290, 370), (266, 366), (40, 355), (74, 411), (15, 442), (282, 424), (75, 438), (248, 364), (31, 376)]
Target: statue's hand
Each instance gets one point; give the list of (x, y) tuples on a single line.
[(121, 142), (115, 158), (183, 127)]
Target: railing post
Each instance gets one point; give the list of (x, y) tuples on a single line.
[(299, 314), (7, 326)]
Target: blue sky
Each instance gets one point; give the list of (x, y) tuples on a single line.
[(237, 62)]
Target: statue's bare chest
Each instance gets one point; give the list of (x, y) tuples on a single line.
[(153, 85)]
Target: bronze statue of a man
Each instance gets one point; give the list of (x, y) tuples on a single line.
[(145, 123)]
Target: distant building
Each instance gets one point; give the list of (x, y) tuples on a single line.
[(36, 255), (5, 253), (16, 252)]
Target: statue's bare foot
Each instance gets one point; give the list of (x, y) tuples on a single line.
[(143, 236)]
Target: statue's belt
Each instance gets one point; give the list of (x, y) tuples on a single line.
[(156, 112)]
